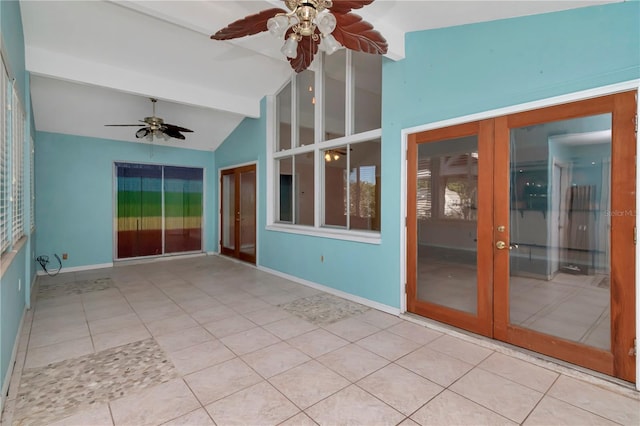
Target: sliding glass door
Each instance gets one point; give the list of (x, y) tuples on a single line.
[(158, 210)]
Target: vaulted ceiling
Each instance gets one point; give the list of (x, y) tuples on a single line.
[(97, 62)]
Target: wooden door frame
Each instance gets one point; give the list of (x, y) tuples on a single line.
[(618, 362), (482, 322), (237, 170)]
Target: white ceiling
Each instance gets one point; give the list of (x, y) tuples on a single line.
[(97, 62)]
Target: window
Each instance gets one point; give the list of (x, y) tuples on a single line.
[(325, 155), (17, 161), (351, 182), (32, 174), (4, 162)]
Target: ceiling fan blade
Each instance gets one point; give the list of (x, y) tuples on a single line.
[(357, 34), (143, 132), (248, 25), (124, 125), (346, 6), (172, 132), (177, 128), (307, 49)]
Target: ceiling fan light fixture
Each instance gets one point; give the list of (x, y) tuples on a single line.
[(290, 48), (329, 44), (278, 25), (327, 23)]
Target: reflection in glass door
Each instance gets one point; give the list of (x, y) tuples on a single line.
[(447, 221), (522, 228), (450, 197), (559, 281), (238, 213)]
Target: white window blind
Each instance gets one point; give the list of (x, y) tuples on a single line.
[(17, 168), (32, 177), (4, 161)]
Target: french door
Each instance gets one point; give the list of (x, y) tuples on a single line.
[(238, 213), (522, 228)]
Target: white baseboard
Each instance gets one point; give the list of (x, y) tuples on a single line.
[(81, 268), (370, 303), (12, 362)]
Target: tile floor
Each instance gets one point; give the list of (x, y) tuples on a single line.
[(205, 340), (573, 307)]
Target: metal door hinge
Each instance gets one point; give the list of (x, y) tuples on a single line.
[(635, 235), (634, 349)]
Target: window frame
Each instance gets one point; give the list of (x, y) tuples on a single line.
[(317, 148)]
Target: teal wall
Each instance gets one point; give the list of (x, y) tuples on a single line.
[(19, 271), (448, 73), (74, 196)]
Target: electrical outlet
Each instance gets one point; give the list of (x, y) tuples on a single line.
[(65, 256)]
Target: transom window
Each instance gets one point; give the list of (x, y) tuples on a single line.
[(325, 150)]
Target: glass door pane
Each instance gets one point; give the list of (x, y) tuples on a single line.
[(182, 209), (248, 213), (228, 211), (446, 204), (560, 222)]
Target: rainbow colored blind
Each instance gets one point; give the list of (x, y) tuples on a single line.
[(147, 226)]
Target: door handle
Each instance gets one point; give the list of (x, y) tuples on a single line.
[(500, 245)]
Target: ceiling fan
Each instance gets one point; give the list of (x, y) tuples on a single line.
[(311, 25), (155, 126)]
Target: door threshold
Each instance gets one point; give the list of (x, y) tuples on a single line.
[(596, 378)]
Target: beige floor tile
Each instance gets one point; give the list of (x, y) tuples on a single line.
[(230, 325), (219, 381), (214, 313), (299, 419), (199, 304), (458, 348), (39, 357), (96, 416), (249, 341), (200, 356), (449, 408), (248, 304), (498, 394), (353, 406), (388, 345), (519, 371), (114, 338), (289, 327), (198, 417), (400, 388), (172, 342), (259, 404), (551, 411), (597, 400), (113, 310), (165, 310), (435, 366), (171, 324), (308, 383), (352, 329), (414, 332), (408, 422), (114, 323), (266, 316), (63, 334), (154, 405), (379, 319), (275, 359), (353, 362), (317, 342)]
